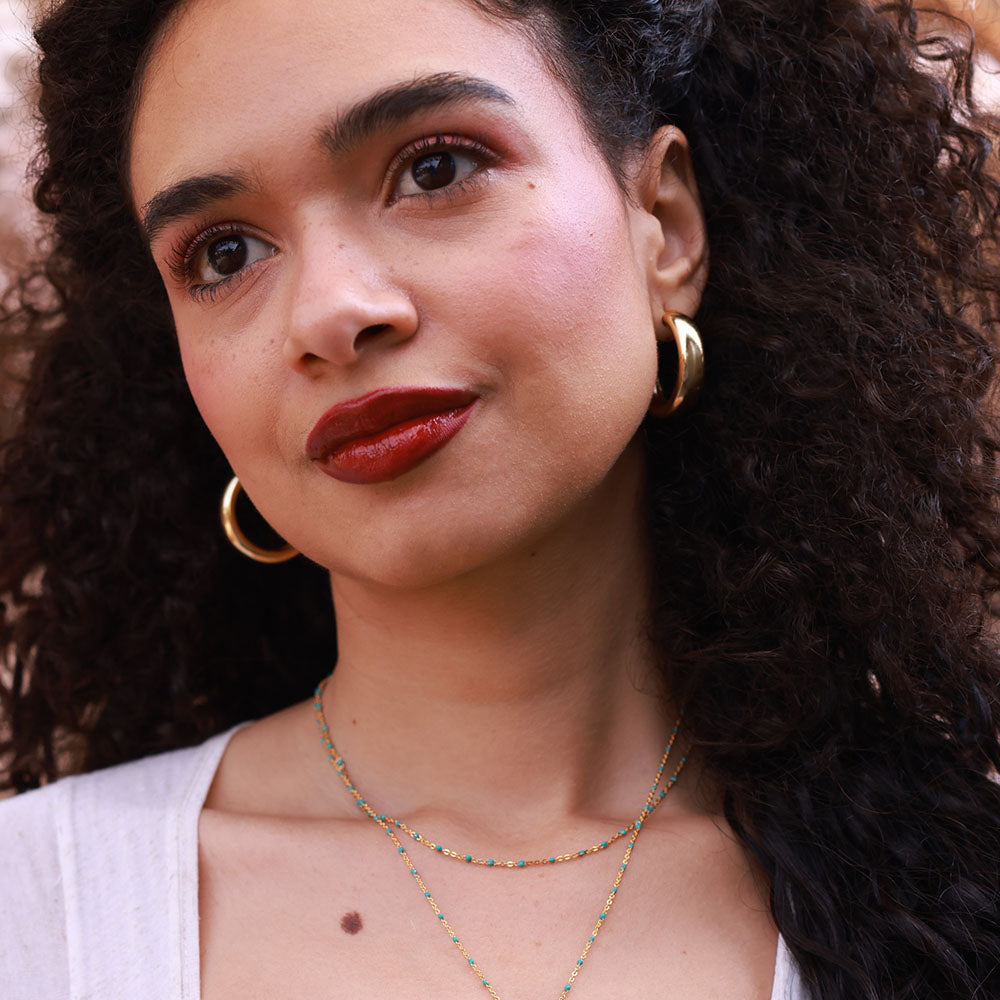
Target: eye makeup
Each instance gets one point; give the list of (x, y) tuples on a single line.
[(435, 168)]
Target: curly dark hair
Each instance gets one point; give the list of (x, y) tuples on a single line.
[(825, 522)]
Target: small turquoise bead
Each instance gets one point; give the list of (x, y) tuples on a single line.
[(622, 831), (440, 916), (604, 843), (520, 864), (579, 961), (552, 861), (471, 962), (455, 939), (427, 894), (402, 851), (580, 854), (438, 847), (490, 862), (468, 857)]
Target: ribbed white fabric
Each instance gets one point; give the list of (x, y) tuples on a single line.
[(99, 885)]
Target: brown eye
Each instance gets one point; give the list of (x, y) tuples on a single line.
[(436, 170), (227, 255)]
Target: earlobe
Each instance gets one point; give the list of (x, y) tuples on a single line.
[(673, 227)]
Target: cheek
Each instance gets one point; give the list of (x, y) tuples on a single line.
[(570, 309), (231, 396), (553, 311)]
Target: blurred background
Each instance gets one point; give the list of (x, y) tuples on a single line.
[(16, 132), (17, 128)]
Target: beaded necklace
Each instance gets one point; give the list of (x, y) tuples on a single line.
[(390, 825)]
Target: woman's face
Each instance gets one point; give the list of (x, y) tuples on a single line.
[(351, 200)]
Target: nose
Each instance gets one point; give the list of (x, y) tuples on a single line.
[(341, 306)]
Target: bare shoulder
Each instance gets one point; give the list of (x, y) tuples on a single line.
[(269, 768)]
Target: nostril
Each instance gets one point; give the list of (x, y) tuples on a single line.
[(369, 333)]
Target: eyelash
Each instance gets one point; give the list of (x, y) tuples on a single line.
[(471, 146), (182, 254)]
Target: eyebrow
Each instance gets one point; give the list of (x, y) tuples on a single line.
[(395, 104), (344, 134), (186, 197)]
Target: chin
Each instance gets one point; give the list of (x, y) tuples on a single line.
[(436, 551), (417, 560), (423, 538)]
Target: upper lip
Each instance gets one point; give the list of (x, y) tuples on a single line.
[(376, 412)]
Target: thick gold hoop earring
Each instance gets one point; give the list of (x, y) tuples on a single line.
[(239, 541), (690, 366)]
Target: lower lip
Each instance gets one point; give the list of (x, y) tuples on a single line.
[(386, 456)]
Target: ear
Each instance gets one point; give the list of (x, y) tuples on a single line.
[(668, 225)]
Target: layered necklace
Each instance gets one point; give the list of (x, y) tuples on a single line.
[(398, 832)]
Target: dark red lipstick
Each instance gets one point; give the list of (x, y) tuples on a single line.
[(378, 437)]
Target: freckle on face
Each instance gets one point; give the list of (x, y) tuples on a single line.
[(350, 923)]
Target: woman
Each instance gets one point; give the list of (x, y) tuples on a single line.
[(428, 273)]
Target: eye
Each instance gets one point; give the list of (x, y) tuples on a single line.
[(226, 255), (440, 164), (434, 170)]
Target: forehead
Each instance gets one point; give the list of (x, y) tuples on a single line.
[(230, 75)]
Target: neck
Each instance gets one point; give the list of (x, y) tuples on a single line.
[(526, 688)]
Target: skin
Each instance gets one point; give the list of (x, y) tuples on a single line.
[(494, 685)]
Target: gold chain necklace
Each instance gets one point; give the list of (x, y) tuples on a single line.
[(390, 825)]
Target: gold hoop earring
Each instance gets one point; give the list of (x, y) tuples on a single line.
[(690, 366), (239, 541)]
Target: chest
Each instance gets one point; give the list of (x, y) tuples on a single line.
[(334, 911)]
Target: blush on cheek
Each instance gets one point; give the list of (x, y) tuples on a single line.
[(570, 334), (572, 269), (224, 393), (204, 382), (576, 237)]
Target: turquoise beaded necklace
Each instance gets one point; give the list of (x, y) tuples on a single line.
[(390, 826)]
